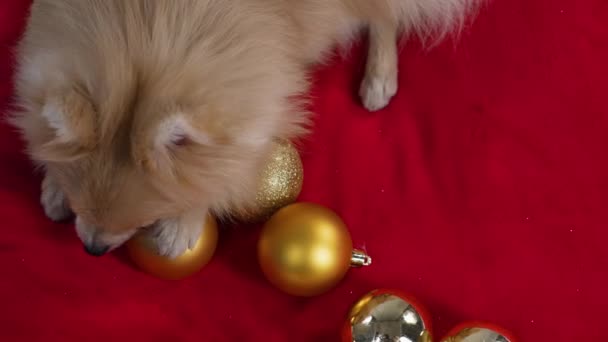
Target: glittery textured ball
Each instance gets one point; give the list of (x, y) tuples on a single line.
[(280, 182)]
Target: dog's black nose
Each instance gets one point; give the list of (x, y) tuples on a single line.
[(96, 250)]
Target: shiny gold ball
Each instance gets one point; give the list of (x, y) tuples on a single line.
[(305, 249), (478, 332), (280, 182), (144, 254), (387, 315)]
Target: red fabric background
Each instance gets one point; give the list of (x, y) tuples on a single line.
[(482, 190)]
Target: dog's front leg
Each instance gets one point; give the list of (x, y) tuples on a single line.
[(53, 200), (174, 236), (379, 84)]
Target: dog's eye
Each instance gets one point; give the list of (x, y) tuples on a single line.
[(181, 141), (147, 224)]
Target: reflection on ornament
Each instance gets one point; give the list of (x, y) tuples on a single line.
[(478, 332), (305, 249), (280, 182), (143, 253), (386, 315)]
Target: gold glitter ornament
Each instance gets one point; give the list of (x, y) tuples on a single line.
[(280, 182)]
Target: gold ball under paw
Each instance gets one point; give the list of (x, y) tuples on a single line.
[(143, 252)]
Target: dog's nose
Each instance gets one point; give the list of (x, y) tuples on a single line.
[(96, 250)]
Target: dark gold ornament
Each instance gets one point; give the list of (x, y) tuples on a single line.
[(143, 253), (280, 182), (387, 316), (305, 249)]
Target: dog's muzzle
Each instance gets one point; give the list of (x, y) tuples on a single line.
[(96, 249)]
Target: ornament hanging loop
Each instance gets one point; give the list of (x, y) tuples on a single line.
[(360, 258)]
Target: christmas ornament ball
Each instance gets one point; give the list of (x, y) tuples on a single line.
[(478, 332), (305, 249), (280, 182), (143, 253), (387, 315)]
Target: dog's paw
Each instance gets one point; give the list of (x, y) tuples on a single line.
[(377, 90), (53, 201), (174, 236)]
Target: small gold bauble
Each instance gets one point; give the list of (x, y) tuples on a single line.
[(478, 332), (387, 315), (280, 182), (143, 253), (305, 249)]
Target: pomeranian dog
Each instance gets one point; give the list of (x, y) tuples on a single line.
[(154, 113)]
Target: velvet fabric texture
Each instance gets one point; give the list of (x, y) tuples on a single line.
[(481, 190)]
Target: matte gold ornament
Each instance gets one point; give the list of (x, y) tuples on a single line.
[(305, 249), (144, 254), (478, 332), (280, 183), (387, 316)]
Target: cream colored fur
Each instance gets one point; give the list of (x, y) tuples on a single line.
[(154, 113)]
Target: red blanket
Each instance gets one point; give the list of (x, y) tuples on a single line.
[(482, 190)]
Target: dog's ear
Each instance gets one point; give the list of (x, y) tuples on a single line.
[(70, 118), (159, 140)]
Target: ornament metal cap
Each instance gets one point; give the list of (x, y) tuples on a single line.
[(359, 259)]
